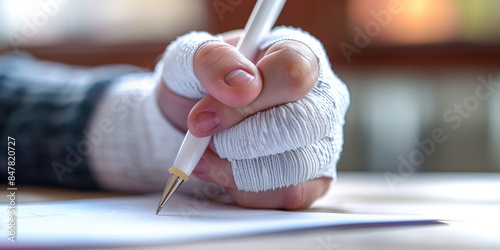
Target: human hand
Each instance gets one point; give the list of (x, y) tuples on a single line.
[(237, 88)]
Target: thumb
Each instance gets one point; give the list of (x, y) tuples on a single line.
[(226, 74)]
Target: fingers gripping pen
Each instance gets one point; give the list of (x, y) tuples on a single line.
[(259, 24)]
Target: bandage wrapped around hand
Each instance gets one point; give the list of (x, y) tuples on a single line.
[(282, 146)]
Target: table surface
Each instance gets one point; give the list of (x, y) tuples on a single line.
[(469, 203)]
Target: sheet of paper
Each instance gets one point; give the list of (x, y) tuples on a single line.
[(132, 221)]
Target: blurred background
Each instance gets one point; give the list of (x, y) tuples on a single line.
[(421, 73)]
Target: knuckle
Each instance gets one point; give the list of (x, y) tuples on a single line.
[(301, 66), (241, 113), (209, 54)]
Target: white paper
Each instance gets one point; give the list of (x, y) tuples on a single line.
[(132, 220)]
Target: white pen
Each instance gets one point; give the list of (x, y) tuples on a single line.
[(259, 24)]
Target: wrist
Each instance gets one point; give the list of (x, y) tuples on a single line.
[(135, 156)]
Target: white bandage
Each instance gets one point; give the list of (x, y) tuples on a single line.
[(176, 66), (284, 145), (291, 143)]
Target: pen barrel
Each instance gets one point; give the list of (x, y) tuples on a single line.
[(257, 28), (262, 19), (190, 153)]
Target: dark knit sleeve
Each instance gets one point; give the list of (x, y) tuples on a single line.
[(45, 107)]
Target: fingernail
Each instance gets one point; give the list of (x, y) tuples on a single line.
[(238, 77), (201, 167), (206, 121)]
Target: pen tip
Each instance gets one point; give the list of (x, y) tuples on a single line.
[(173, 183)]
